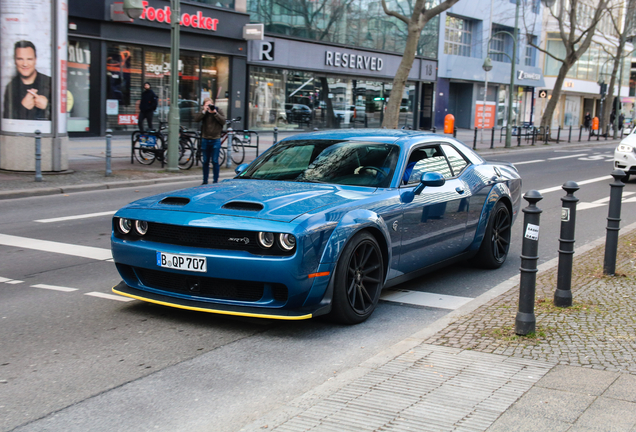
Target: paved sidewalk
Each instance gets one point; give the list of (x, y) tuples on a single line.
[(87, 165), (470, 372)]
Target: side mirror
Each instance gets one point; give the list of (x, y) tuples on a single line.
[(242, 167), (429, 179)]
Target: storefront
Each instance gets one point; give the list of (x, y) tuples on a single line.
[(111, 57), (304, 85)]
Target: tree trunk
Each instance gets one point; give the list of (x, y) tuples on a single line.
[(392, 113), (330, 120), (609, 100), (546, 118)]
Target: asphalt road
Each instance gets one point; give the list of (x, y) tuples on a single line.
[(76, 358)]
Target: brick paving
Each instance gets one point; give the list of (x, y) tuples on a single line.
[(598, 331)]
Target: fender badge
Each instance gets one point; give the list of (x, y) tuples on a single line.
[(395, 226)]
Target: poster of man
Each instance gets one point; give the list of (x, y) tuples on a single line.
[(26, 86), (28, 94)]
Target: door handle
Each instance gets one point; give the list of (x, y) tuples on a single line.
[(459, 190)]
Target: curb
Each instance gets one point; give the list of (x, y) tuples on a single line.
[(303, 402)]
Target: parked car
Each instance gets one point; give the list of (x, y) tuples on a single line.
[(348, 114), (297, 113), (625, 155), (187, 110), (318, 224)]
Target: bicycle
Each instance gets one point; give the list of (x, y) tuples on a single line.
[(152, 145), (238, 150)]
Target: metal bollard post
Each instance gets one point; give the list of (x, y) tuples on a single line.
[(275, 135), (534, 135), (547, 133), (475, 140), (38, 156), (558, 134), (613, 222), (525, 321), (492, 139), (109, 136), (518, 136), (598, 134), (434, 130), (580, 133), (563, 293), (454, 131), (570, 134), (228, 153)]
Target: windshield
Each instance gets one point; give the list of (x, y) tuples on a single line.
[(323, 161)]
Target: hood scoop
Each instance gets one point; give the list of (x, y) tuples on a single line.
[(176, 201), (243, 205)]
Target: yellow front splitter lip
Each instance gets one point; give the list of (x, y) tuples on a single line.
[(209, 310)]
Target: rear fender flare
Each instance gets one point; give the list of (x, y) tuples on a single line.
[(498, 191)]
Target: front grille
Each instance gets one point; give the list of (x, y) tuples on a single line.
[(213, 288)]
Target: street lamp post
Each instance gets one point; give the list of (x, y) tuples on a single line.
[(134, 9), (487, 67), (513, 65)]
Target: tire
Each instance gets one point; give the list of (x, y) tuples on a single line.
[(496, 243), (359, 278), (186, 154), (221, 158), (238, 151), (144, 155)]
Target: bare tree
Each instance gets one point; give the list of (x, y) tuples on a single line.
[(576, 30), (415, 23), (622, 17)]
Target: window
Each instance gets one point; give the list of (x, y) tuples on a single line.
[(78, 81), (425, 159), (457, 162), (458, 36), (501, 43), (530, 50)]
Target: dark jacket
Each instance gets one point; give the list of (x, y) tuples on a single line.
[(211, 124), (148, 101), (16, 91)]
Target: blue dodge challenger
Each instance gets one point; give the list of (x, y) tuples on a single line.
[(318, 225)]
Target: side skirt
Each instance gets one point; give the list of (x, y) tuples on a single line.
[(421, 272)]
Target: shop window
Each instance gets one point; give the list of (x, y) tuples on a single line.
[(458, 36), (78, 86), (123, 86)]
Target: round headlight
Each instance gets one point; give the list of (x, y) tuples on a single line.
[(125, 225), (141, 227), (266, 239), (287, 241)]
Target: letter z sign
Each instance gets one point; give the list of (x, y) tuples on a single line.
[(266, 52)]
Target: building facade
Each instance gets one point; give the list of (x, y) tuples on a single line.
[(470, 32)]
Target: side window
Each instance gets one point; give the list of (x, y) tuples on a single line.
[(425, 159), (457, 162)]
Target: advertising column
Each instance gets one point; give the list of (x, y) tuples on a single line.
[(33, 51)]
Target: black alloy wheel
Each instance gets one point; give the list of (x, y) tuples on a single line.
[(359, 280), (496, 243)]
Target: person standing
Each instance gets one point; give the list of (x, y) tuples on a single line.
[(588, 121), (27, 95), (212, 123), (147, 107), (621, 120)]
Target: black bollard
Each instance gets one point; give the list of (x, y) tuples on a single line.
[(38, 156), (525, 321), (563, 293), (454, 132), (109, 136), (580, 133), (434, 129), (570, 134), (492, 138), (475, 140), (275, 135), (589, 138), (547, 133), (518, 136), (558, 134), (613, 222), (534, 135)]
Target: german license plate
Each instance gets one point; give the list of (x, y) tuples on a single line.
[(182, 262)]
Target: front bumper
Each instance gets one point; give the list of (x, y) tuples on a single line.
[(164, 300), (625, 161)]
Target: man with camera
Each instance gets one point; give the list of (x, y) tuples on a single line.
[(212, 123)]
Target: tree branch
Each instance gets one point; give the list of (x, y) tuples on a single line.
[(401, 17)]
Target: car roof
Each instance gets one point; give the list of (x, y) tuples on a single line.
[(387, 136)]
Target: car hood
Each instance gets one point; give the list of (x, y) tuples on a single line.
[(260, 199)]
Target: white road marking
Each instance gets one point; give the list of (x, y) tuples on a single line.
[(419, 298), (568, 157), (15, 282), (580, 183), (56, 247), (4, 280), (54, 288), (528, 162), (109, 296), (82, 216), (604, 201)]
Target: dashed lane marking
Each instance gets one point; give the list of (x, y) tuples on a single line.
[(528, 162), (109, 296), (580, 183), (54, 287), (14, 282), (604, 201), (82, 216), (568, 157), (56, 247), (418, 298)]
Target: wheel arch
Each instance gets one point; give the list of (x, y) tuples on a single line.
[(499, 192)]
